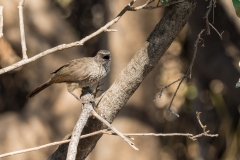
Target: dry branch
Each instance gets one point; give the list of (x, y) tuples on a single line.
[(1, 21), (107, 132), (21, 24), (114, 130), (86, 99), (62, 46), (189, 71)]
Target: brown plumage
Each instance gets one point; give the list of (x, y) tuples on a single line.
[(79, 73)]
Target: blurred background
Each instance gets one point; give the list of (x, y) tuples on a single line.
[(51, 115)]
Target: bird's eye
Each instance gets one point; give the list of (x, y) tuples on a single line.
[(106, 57)]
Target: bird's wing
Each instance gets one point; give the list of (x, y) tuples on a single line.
[(73, 71), (54, 72)]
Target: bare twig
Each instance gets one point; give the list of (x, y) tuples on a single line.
[(50, 144), (142, 6), (187, 74), (214, 5), (65, 46), (34, 148), (220, 34), (199, 121), (110, 30), (1, 21), (86, 99), (106, 131), (206, 16), (161, 90), (21, 22), (94, 113), (189, 71), (198, 40), (204, 133)]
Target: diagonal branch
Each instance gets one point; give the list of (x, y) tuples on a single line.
[(62, 46), (114, 130)]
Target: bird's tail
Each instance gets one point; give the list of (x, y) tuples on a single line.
[(39, 89)]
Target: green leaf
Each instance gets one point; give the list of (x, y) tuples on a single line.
[(236, 4), (164, 2), (238, 84)]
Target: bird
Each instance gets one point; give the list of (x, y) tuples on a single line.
[(79, 73)]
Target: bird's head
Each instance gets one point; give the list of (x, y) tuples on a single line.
[(103, 56)]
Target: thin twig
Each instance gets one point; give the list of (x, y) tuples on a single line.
[(21, 24), (50, 144), (220, 34), (94, 113), (206, 16), (110, 30), (187, 74), (189, 71), (204, 133), (1, 21), (214, 5), (152, 134), (142, 6), (165, 87), (199, 121), (198, 40), (106, 131)]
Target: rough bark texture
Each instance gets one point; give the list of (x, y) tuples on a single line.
[(132, 76)]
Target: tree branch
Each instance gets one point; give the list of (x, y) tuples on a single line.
[(206, 17), (114, 130), (21, 24), (1, 21), (107, 132), (65, 46), (86, 99)]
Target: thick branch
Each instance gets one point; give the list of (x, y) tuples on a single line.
[(132, 76)]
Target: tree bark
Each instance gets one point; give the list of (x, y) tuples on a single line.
[(132, 76)]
